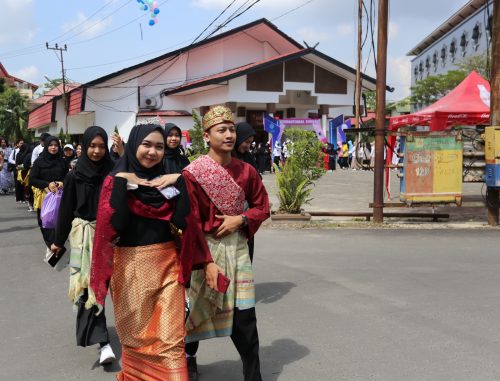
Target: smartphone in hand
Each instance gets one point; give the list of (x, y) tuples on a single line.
[(222, 283)]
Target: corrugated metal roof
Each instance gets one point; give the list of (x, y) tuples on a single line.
[(463, 13)]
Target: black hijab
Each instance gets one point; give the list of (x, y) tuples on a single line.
[(23, 151), (89, 171), (243, 132), (47, 160), (129, 163), (175, 160)]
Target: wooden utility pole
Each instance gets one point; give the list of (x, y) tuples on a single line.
[(378, 186), (358, 83), (492, 195), (358, 66), (65, 100)]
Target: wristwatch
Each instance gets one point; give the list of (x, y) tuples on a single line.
[(245, 221)]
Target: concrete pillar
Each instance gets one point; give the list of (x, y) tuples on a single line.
[(323, 112)]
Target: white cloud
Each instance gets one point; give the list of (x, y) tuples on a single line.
[(17, 24), (393, 30), (311, 36), (345, 29), (399, 76), (29, 73), (208, 4), (87, 28)]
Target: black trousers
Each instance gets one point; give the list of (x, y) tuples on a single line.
[(49, 235), (19, 188), (246, 340)]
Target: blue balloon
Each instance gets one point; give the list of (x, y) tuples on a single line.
[(151, 22), (156, 11)]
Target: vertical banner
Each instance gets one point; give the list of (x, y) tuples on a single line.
[(333, 126), (273, 127)]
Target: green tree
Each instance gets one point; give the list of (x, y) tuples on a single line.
[(13, 114), (196, 134), (432, 88), (371, 100), (52, 83), (479, 63), (2, 85)]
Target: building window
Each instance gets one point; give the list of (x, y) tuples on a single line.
[(435, 60), (453, 50), (463, 43), (476, 36), (421, 69), (428, 64), (415, 72), (443, 55)]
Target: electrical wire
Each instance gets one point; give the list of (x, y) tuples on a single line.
[(213, 21), (39, 47), (292, 10)]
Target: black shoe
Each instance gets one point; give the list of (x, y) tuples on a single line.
[(192, 369)]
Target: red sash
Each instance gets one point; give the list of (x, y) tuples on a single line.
[(218, 184)]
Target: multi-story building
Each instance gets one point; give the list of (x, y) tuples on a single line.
[(24, 87), (466, 33)]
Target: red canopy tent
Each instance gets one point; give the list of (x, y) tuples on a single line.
[(467, 104)]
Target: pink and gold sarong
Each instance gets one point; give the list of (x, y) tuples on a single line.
[(149, 313)]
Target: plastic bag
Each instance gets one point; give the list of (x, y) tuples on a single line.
[(50, 209)]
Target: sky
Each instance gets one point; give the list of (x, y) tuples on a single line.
[(103, 36)]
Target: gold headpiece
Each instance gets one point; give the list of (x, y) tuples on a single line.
[(216, 115)]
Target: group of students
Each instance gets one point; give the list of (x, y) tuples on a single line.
[(159, 232)]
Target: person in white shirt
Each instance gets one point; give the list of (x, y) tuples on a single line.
[(39, 148)]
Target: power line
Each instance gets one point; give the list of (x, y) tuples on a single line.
[(292, 10), (38, 47), (213, 21)]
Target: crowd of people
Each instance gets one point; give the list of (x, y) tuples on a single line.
[(170, 239)]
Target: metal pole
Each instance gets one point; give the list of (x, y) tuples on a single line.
[(492, 195), (378, 186)]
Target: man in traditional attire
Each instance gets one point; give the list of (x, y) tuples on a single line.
[(219, 227)]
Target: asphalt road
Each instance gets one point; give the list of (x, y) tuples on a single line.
[(341, 304)]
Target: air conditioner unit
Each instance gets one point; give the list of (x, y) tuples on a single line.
[(152, 103)]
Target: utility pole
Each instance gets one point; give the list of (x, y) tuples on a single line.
[(378, 186), (492, 195), (65, 100), (358, 83)]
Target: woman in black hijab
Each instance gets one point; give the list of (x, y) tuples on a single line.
[(175, 159), (47, 175), (21, 173), (76, 219), (245, 135), (137, 256)]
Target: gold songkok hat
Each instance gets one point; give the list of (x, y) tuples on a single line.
[(216, 115)]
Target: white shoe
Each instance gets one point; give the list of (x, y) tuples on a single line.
[(107, 355)]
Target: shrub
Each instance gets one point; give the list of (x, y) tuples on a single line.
[(296, 177)]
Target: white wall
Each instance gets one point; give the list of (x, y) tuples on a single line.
[(110, 111)]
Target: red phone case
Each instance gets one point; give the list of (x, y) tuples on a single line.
[(222, 283)]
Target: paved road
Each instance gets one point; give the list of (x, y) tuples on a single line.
[(332, 305)]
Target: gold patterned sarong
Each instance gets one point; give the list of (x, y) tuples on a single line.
[(149, 313), (212, 312)]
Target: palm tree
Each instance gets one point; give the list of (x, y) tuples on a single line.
[(13, 114)]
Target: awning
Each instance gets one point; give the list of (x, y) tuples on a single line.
[(42, 116)]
